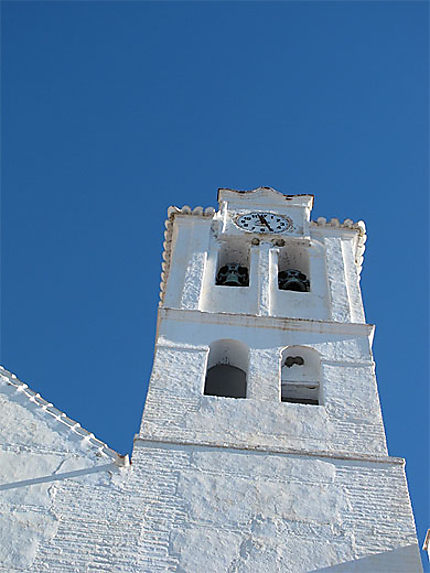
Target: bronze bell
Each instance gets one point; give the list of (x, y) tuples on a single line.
[(232, 274), (293, 280), (291, 360)]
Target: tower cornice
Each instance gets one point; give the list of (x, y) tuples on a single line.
[(343, 456), (262, 321)]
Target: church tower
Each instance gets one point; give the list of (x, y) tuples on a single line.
[(262, 446)]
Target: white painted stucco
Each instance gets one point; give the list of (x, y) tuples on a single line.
[(40, 449), (223, 484)]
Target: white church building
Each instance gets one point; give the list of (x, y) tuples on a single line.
[(262, 447)]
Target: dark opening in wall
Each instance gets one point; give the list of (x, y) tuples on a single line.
[(225, 380), (233, 264), (293, 267), (226, 369)]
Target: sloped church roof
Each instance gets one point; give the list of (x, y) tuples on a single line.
[(45, 415)]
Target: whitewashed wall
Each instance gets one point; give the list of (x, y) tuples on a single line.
[(43, 454), (348, 420), (220, 509)]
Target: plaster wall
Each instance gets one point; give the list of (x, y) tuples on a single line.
[(99, 525), (37, 453), (220, 509), (348, 419), (190, 243), (192, 508)]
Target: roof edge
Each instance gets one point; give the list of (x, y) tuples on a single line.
[(65, 423)]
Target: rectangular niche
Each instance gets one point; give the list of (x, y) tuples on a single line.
[(293, 267), (233, 263)]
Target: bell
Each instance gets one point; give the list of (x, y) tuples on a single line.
[(291, 360), (232, 274), (293, 280)]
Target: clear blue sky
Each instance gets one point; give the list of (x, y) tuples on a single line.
[(113, 111)]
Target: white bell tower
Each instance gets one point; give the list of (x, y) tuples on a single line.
[(262, 446)]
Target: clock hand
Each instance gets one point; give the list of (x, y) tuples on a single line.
[(263, 220)]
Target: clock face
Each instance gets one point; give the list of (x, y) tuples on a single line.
[(264, 223)]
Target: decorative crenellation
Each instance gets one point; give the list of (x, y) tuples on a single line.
[(65, 422), (359, 226)]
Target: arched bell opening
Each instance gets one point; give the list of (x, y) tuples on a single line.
[(300, 375), (293, 268), (233, 264), (227, 369)]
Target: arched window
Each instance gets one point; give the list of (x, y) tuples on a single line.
[(300, 375), (226, 370)]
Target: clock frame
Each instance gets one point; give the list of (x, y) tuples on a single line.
[(264, 222)]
